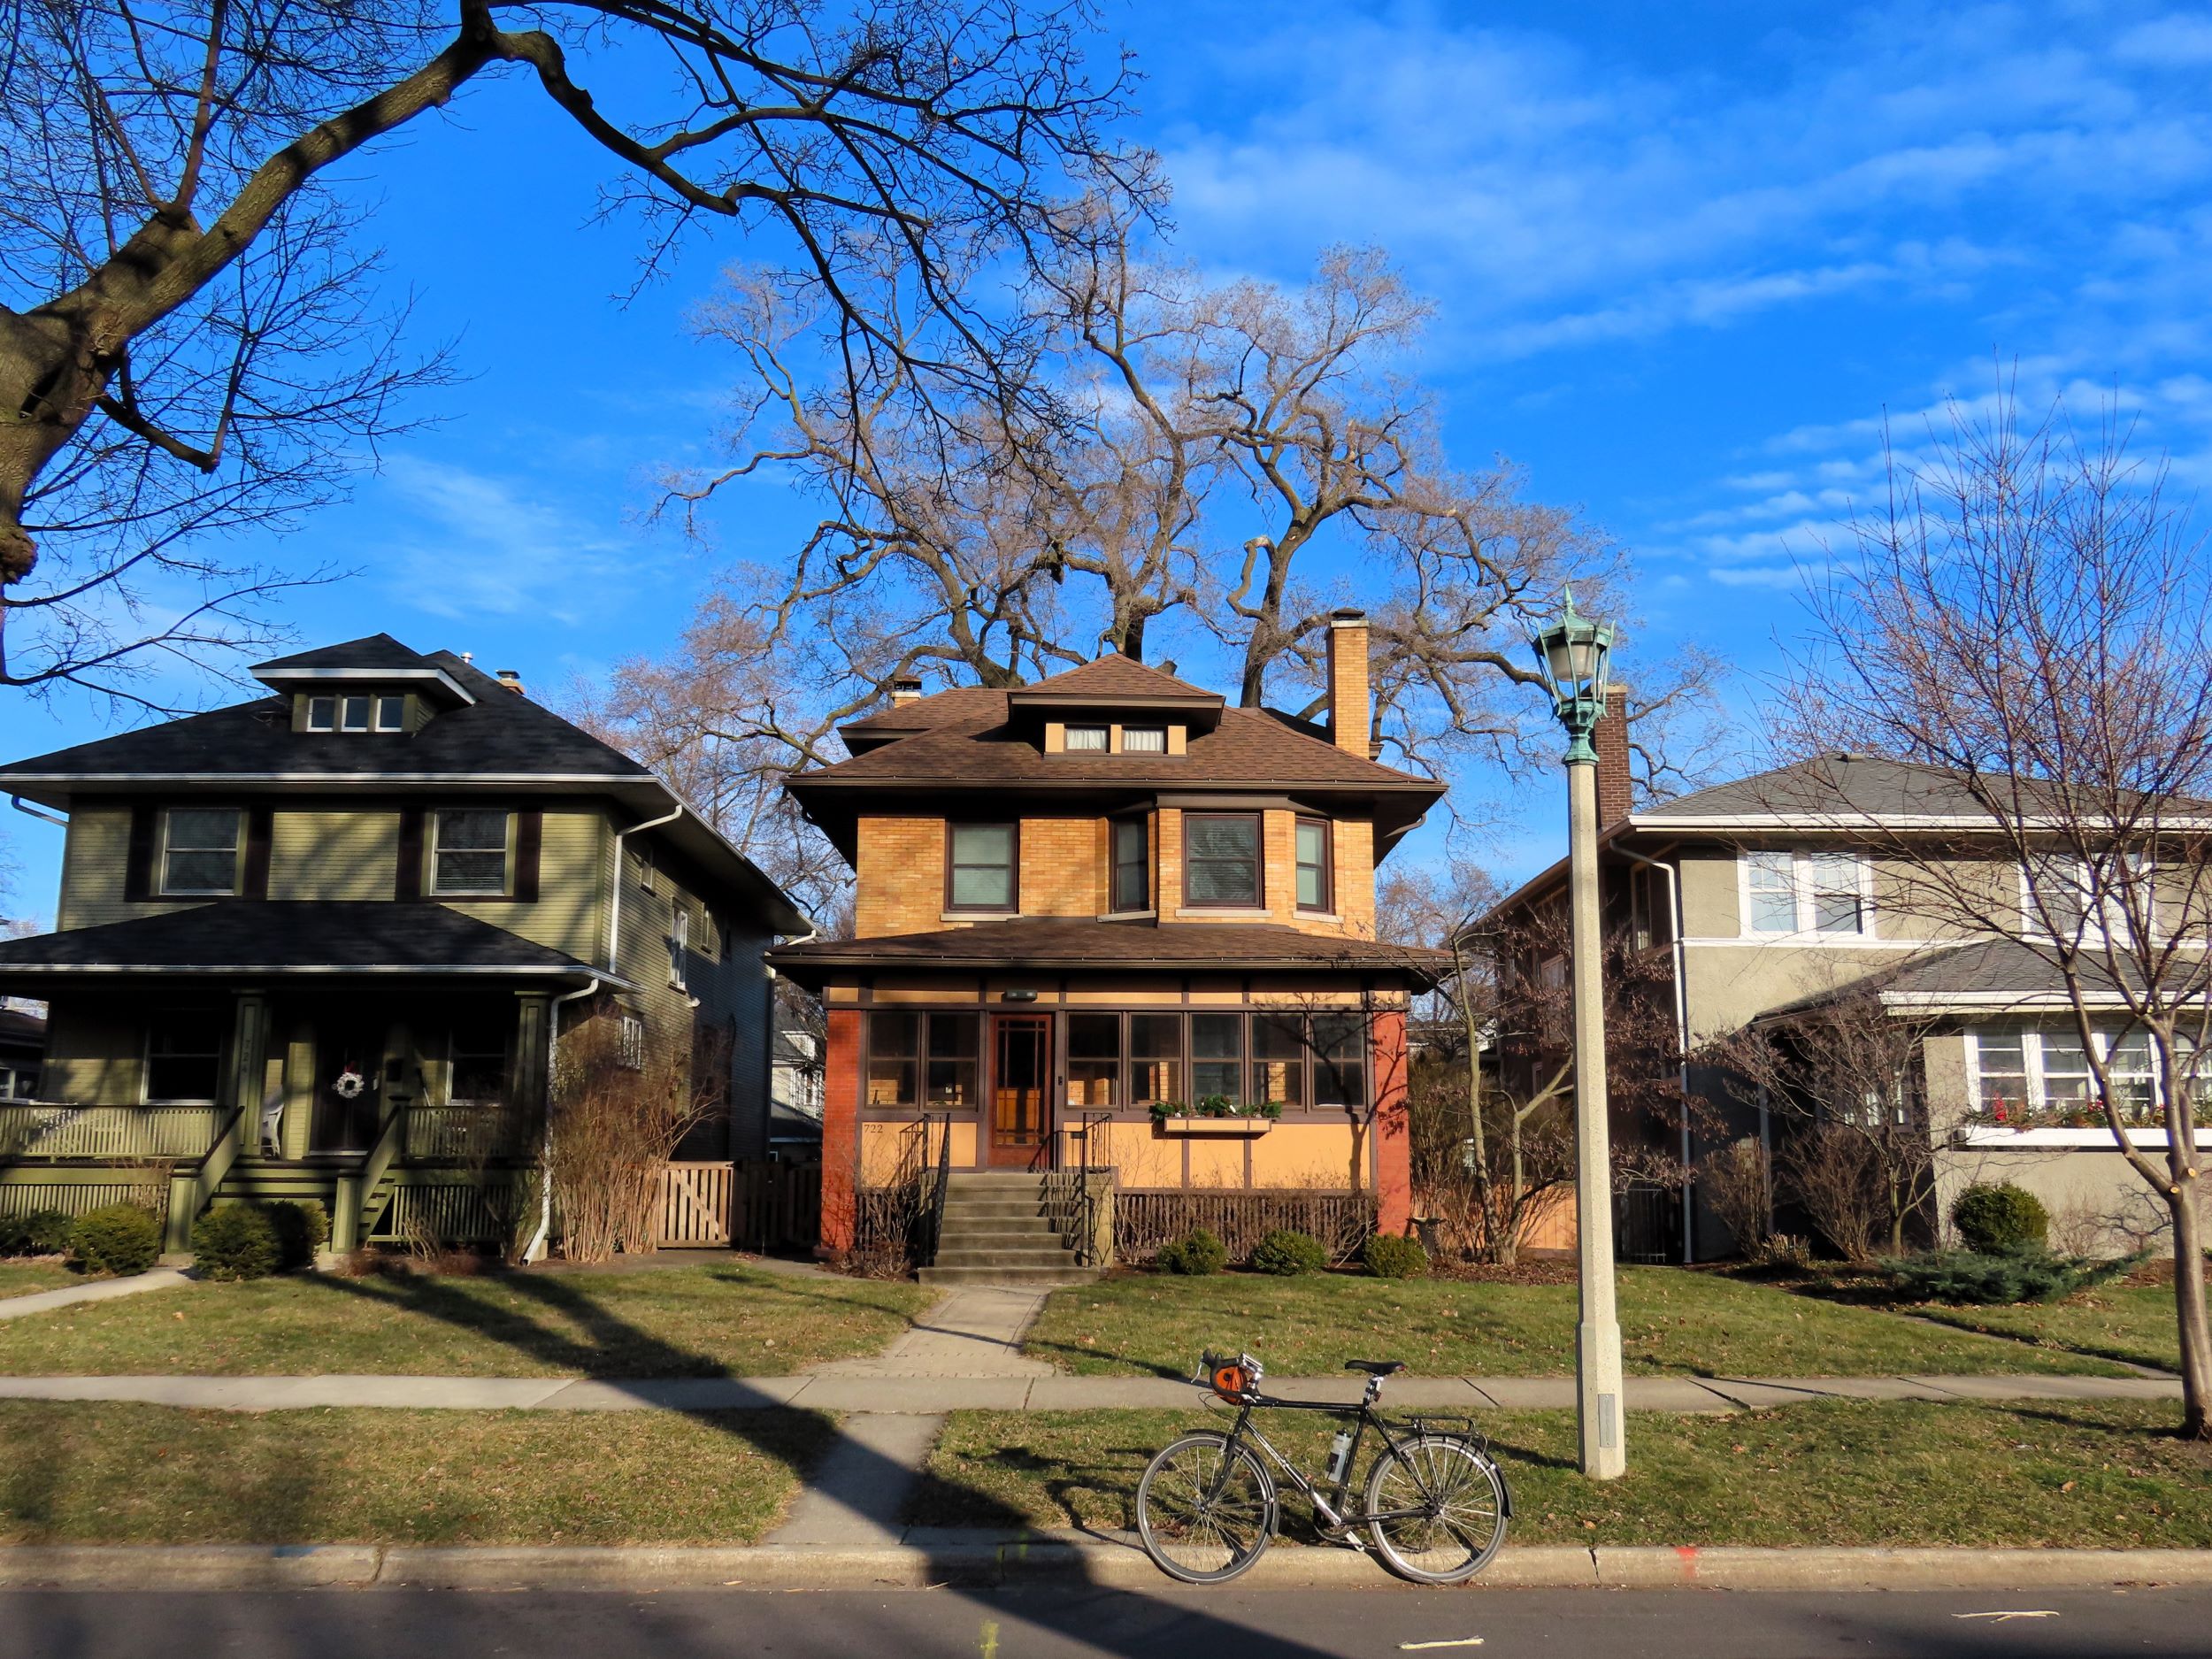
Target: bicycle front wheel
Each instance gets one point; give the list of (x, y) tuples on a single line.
[(1436, 1509), (1205, 1509)]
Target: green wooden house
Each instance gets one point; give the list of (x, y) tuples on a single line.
[(323, 944)]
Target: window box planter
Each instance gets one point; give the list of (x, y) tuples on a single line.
[(1247, 1127)]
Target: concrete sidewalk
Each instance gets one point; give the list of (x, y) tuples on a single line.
[(836, 1390)]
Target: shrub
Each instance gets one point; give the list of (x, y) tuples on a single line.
[(115, 1239), (236, 1241), (41, 1232), (2001, 1217), (1784, 1250), (301, 1228), (1388, 1258), (1287, 1254), (1197, 1254), (1991, 1279)]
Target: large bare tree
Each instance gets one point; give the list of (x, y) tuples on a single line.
[(1208, 448), (2030, 614), (189, 340)]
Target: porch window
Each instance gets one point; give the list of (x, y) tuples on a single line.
[(470, 853), (1278, 1058), (184, 1058), (895, 1046), (1155, 1058), (1093, 1059), (981, 876), (1087, 740), (1133, 866), (1216, 1056), (1313, 864), (476, 1062), (199, 850), (1339, 1060), (1144, 740), (954, 1041), (1221, 860), (18, 1082)]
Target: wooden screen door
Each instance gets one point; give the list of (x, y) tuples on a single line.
[(1020, 1086)]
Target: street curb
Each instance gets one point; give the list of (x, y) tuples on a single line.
[(988, 1563)]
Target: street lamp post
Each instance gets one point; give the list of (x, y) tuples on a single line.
[(1576, 653)]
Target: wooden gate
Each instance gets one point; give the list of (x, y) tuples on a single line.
[(752, 1204), (694, 1207)]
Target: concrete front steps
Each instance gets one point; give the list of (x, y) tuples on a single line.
[(996, 1233)]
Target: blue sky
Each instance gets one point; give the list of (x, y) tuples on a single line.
[(1686, 260)]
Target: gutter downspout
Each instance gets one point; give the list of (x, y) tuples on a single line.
[(768, 1048), (1681, 1025), (541, 1240), (614, 906), (16, 801)]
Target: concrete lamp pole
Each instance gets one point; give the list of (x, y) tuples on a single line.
[(1577, 653)]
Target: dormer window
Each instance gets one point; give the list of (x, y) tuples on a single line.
[(356, 711), (1144, 740), (1088, 740)]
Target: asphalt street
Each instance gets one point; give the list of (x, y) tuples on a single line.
[(1053, 1623)]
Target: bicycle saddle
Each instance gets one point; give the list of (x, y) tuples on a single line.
[(1375, 1367)]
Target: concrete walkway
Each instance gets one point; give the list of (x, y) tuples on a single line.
[(886, 1395), (91, 1290)]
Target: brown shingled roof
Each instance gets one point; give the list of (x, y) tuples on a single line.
[(1056, 944), (1113, 676)]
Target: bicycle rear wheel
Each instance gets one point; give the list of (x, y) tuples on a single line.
[(1436, 1509), (1205, 1509)]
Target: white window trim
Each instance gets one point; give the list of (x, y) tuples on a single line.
[(368, 711), (678, 946), (378, 703), (630, 1041), (2031, 1068), (2094, 915), (237, 848), (1802, 894), (438, 890), (330, 725)]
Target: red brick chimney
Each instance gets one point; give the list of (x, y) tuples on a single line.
[(1351, 716), (1610, 739)]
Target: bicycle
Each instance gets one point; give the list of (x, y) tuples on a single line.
[(1434, 1506)]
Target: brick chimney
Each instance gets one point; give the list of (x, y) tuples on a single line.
[(1351, 718), (905, 689), (1610, 739)]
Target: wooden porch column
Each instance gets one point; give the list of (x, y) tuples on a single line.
[(242, 1087), (533, 1051)]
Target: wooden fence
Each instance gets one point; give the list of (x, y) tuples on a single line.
[(749, 1204), (1144, 1218)]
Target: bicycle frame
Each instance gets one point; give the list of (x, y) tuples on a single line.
[(1335, 1525)]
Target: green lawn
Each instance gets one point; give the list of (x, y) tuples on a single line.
[(2132, 1322), (1671, 1321), (21, 1279), (1833, 1473), (132, 1474), (668, 1321)]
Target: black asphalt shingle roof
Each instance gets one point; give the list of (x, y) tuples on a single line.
[(500, 735), (280, 936), (370, 653)]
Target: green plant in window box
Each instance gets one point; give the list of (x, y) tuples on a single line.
[(1269, 1110), (1215, 1106), (1164, 1109)]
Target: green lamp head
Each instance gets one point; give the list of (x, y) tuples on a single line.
[(1576, 654)]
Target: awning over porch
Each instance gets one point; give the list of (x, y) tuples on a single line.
[(1050, 944), (243, 936)]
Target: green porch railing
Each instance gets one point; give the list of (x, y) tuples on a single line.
[(469, 1131), (45, 1132), (354, 1189)]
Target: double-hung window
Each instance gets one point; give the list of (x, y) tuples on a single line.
[(1132, 864), (1155, 1058), (1278, 1058), (980, 874), (1818, 892), (184, 1055), (1221, 860), (1093, 1059), (468, 854), (1085, 739), (1339, 1060), (2025, 1072), (1216, 1056), (679, 947), (199, 851), (1313, 864)]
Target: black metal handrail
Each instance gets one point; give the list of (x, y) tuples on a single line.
[(1091, 1131), (943, 1121)]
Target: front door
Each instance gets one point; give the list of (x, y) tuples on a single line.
[(348, 1088), (1020, 1079)]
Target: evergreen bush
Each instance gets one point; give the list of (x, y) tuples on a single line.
[(1197, 1254), (302, 1227), (1996, 1277), (236, 1241), (115, 1239), (41, 1232), (1388, 1258), (1287, 1254), (2000, 1216)]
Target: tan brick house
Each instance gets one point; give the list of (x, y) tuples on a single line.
[(1106, 915)]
